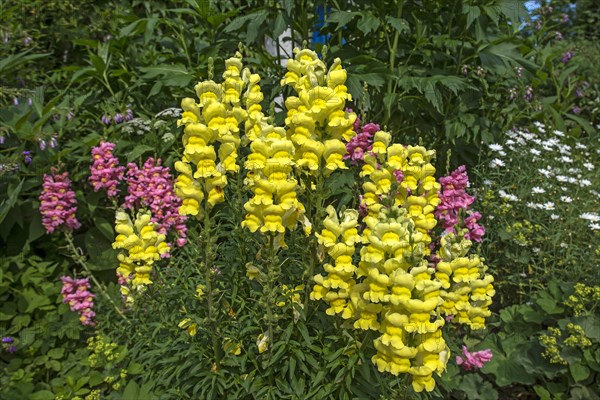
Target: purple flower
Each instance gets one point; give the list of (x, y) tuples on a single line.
[(106, 119), (576, 110), (28, 158), (2, 139), (129, 115), (53, 142), (70, 115), (567, 57), (12, 349), (8, 339), (565, 18), (27, 40), (30, 101), (578, 93), (42, 143), (558, 36), (118, 118), (15, 101)]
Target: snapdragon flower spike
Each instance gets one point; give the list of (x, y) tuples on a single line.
[(274, 206), (338, 238), (317, 119), (211, 139), (105, 170), (467, 288), (454, 199), (76, 294), (57, 202), (142, 246), (473, 361), (152, 187)]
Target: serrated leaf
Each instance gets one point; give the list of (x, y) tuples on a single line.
[(399, 24), (368, 23)]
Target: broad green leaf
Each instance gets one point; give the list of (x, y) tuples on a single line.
[(8, 203), (368, 23)]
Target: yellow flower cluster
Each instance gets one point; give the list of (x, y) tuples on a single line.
[(274, 205), (211, 129), (395, 290), (144, 246), (551, 349), (399, 297), (467, 289), (579, 302), (404, 174), (316, 118), (338, 239)]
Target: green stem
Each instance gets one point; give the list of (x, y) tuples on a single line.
[(208, 260), (79, 259), (394, 48)]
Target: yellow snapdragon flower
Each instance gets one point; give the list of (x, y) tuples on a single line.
[(143, 246)]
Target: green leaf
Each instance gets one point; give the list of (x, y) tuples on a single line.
[(138, 151), (579, 372), (8, 203), (131, 391), (368, 23), (342, 18), (279, 26), (42, 395), (56, 353), (399, 24)]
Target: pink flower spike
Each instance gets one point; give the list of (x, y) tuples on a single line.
[(105, 170), (57, 202)]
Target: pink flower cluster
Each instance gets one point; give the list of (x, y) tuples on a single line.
[(361, 143), (105, 171), (475, 360), (454, 198), (152, 187), (58, 204), (76, 294)]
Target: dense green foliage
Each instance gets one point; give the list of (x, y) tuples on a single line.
[(453, 75)]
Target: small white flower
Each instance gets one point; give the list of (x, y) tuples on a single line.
[(496, 147), (506, 196), (496, 162), (566, 159), (566, 199), (510, 142), (537, 190), (554, 216), (590, 217), (580, 146), (546, 172), (548, 206), (589, 166), (559, 133), (574, 170), (564, 245), (594, 227), (562, 178), (172, 112), (585, 182), (539, 124), (535, 152), (536, 250), (534, 205), (487, 182), (572, 180)]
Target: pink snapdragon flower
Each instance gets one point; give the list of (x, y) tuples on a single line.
[(105, 170), (453, 199), (474, 360), (152, 187), (58, 204), (361, 143), (76, 294)]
